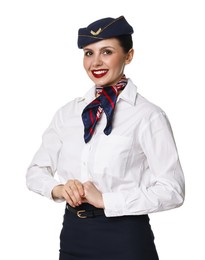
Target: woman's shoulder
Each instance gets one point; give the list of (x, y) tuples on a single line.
[(73, 105), (147, 107), (146, 103), (150, 113), (69, 108), (142, 103)]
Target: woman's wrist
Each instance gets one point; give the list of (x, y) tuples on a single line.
[(57, 192)]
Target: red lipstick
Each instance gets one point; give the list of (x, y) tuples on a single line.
[(99, 73)]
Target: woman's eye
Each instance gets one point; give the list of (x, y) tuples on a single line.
[(107, 52), (88, 53)]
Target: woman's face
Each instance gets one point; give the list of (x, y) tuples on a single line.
[(104, 61)]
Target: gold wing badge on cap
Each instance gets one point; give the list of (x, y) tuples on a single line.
[(96, 33)]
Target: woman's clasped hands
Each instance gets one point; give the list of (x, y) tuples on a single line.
[(75, 193)]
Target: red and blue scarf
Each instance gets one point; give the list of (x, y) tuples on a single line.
[(106, 101)]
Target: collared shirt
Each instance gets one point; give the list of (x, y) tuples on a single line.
[(136, 167)]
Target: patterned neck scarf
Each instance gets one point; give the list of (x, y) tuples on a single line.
[(106, 101)]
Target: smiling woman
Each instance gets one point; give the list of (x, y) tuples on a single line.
[(114, 153)]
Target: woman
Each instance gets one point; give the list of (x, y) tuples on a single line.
[(114, 153)]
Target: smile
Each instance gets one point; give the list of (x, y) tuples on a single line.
[(99, 73)]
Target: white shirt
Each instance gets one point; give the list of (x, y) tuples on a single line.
[(136, 167)]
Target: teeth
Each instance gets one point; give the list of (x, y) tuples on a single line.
[(99, 72)]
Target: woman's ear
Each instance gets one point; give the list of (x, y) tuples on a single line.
[(129, 56)]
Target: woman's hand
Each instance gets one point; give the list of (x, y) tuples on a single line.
[(92, 195), (72, 192)]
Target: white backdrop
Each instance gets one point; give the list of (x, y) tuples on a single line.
[(41, 70)]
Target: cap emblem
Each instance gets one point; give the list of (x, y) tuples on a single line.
[(96, 33)]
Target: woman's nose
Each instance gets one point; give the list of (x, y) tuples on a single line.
[(97, 61)]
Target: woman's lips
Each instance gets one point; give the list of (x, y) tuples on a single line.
[(99, 73)]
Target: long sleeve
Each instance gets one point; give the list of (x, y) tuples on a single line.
[(40, 174), (161, 186)]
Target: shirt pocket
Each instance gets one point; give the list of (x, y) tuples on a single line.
[(112, 154)]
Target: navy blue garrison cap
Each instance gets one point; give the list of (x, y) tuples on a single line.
[(103, 29)]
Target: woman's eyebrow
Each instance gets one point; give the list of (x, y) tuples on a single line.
[(102, 48)]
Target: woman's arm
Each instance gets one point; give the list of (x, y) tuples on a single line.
[(162, 184), (40, 174)]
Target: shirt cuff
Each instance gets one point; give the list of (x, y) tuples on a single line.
[(49, 192), (114, 204)]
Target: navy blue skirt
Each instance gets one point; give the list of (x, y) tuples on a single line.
[(106, 238)]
